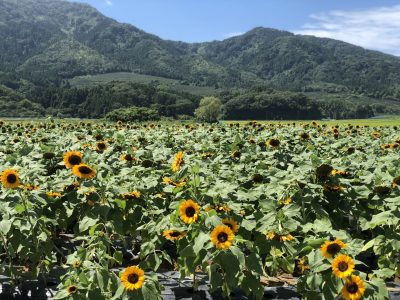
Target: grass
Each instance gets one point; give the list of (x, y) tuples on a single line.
[(92, 80)]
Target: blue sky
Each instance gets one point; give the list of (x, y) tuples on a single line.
[(373, 24)]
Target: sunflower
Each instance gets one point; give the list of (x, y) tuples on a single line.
[(274, 143), (236, 154), (31, 187), (131, 195), (189, 211), (231, 223), (304, 136), (222, 237), (286, 201), (330, 249), (354, 288), (173, 235), (171, 182), (132, 278), (272, 235), (10, 179), (101, 146), (53, 194), (333, 188), (396, 181), (342, 173), (323, 171), (77, 264), (72, 159), (128, 157), (301, 265), (178, 161), (342, 266), (376, 135), (222, 208), (207, 155), (83, 171), (72, 289)]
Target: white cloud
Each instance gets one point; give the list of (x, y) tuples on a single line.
[(232, 34), (377, 29), (108, 2)]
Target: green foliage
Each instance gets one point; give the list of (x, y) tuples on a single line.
[(209, 110), (133, 114), (97, 101)]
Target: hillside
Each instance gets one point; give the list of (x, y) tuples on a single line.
[(54, 43)]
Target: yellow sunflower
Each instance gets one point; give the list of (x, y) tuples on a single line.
[(330, 249), (72, 289), (132, 278), (272, 235), (83, 171), (169, 181), (231, 223), (342, 266), (222, 237), (10, 179), (274, 143), (128, 157), (301, 265), (72, 159), (354, 288), (286, 201), (173, 235), (178, 161), (53, 194), (77, 264), (101, 146), (131, 195), (189, 211), (31, 187)]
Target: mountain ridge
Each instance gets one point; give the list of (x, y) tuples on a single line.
[(47, 42)]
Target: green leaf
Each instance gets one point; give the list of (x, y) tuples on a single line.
[(86, 223), (5, 226), (199, 242), (239, 255)]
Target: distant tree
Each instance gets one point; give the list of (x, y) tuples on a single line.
[(133, 114), (209, 110)]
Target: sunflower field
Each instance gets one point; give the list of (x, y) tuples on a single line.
[(107, 207)]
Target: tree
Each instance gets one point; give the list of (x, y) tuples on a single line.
[(209, 110)]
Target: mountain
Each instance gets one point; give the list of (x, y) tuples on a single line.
[(46, 42)]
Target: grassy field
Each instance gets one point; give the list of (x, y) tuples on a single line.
[(91, 80)]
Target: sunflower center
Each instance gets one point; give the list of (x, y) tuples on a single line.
[(101, 146), (190, 211), (74, 160), (85, 170), (352, 288), (133, 278), (333, 248), (11, 178), (175, 234), (222, 237), (72, 289), (343, 266)]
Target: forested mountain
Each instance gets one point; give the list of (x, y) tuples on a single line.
[(45, 42)]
